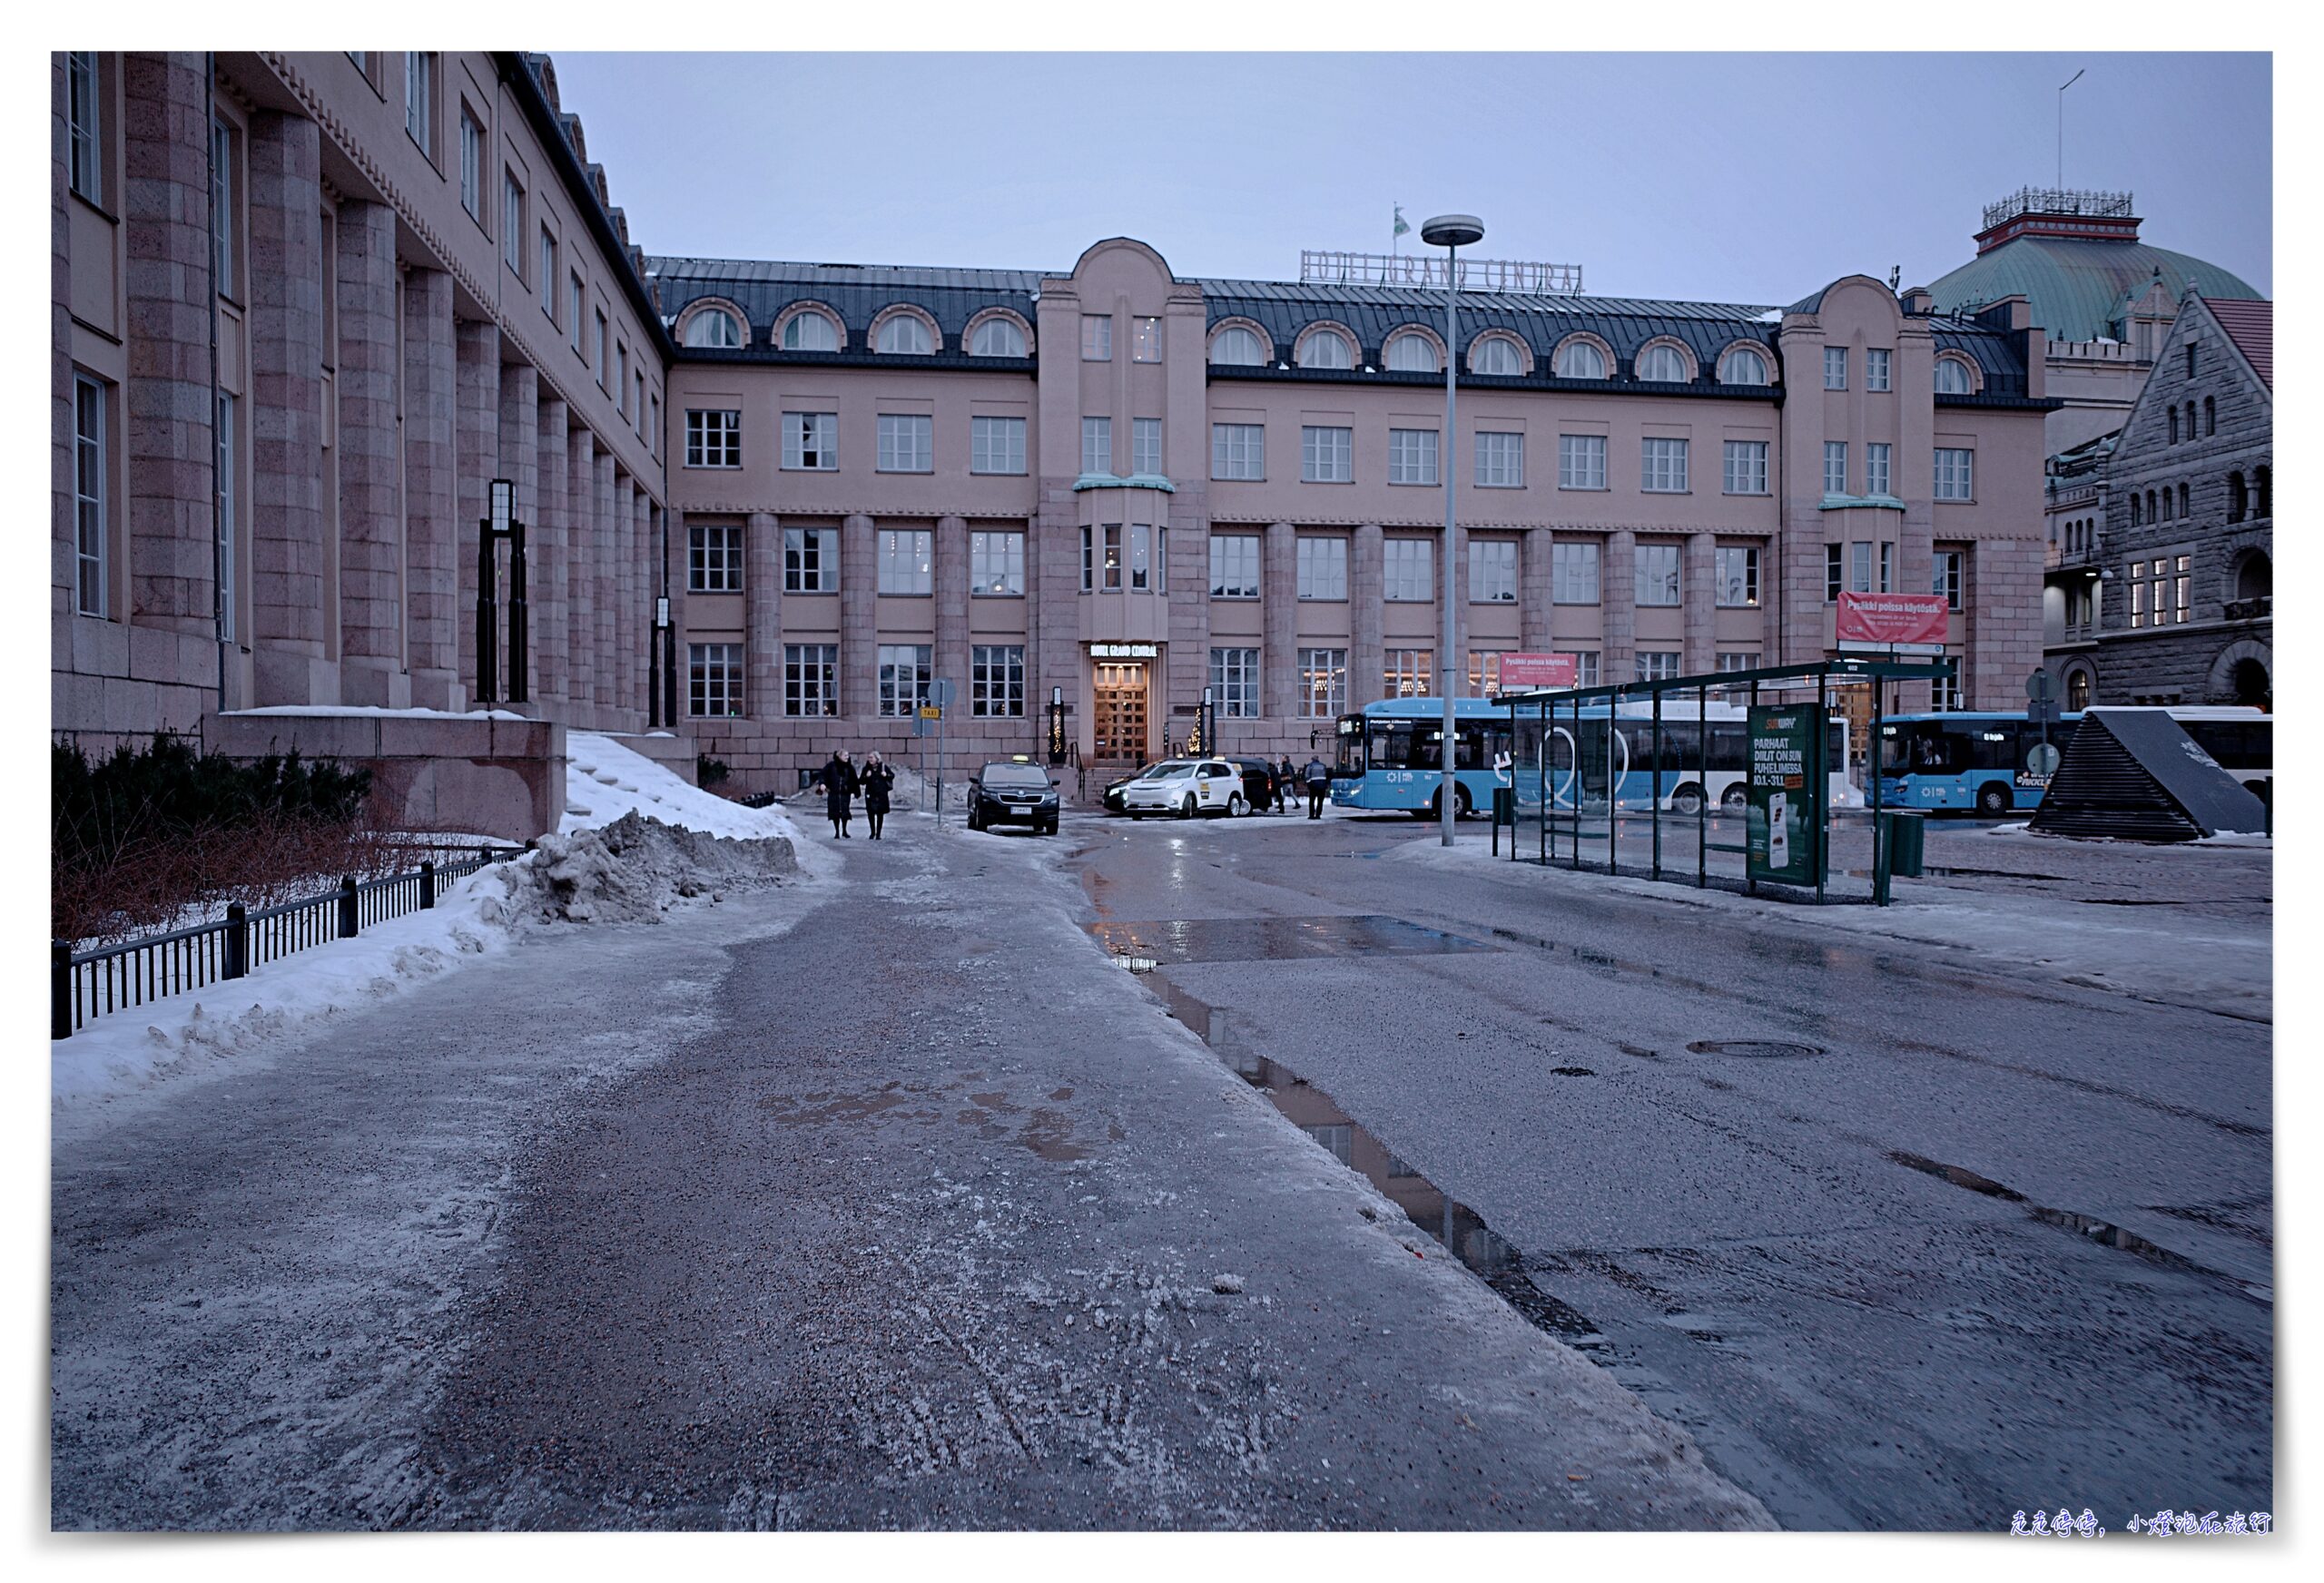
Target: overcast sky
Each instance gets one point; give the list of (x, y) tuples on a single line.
[(1737, 178)]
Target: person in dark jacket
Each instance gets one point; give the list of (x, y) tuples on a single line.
[(1286, 785), (840, 785), (1319, 786), (877, 778)]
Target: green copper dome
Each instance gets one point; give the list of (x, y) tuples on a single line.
[(2079, 289)]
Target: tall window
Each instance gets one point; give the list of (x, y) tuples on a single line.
[(1836, 368), (1944, 577), (1836, 467), (810, 332), (810, 560), (907, 443), (1745, 470), (221, 206), (714, 680), (1096, 337), (1581, 461), (1495, 354), (2210, 417), (998, 338), (1875, 469), (572, 307), (1322, 682), (1662, 466), (89, 492), (1835, 574), (1235, 683), (1146, 446), (1144, 340), (87, 138), (420, 99), (621, 379), (1656, 664), (903, 335), (1573, 571), (548, 275), (1322, 567), (810, 678), (995, 564), (1140, 577), (1325, 455), (810, 441), (1860, 566), (1238, 450), (1952, 376), (471, 165), (1237, 347), (229, 498), (1501, 461), (2191, 360), (907, 560), (1658, 574), (996, 445), (603, 373), (905, 672), (1234, 566), (1406, 570), (1493, 571), (713, 438), (1736, 567), (1955, 474), (714, 557), (1887, 567), (1098, 445), (1945, 692), (1875, 368), (512, 223), (1412, 452), (1404, 673), (1484, 672), (997, 680)]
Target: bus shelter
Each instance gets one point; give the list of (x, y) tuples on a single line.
[(1727, 779)]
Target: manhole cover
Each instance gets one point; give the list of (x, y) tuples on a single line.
[(1767, 1049)]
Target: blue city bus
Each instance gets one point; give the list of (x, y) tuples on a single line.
[(1392, 756), (1982, 762)]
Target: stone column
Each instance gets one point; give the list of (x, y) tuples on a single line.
[(1699, 590), (1279, 596), (859, 618), (2004, 618), (1618, 588), (1366, 588), (430, 494), (521, 438), (288, 556), (370, 484), (167, 430), (952, 606), (549, 549), (477, 441), (763, 600), (581, 569), (1536, 590)]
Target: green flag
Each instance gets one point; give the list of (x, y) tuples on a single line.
[(1401, 226)]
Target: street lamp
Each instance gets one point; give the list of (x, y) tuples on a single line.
[(1451, 232)]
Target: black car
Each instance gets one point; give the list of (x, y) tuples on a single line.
[(1112, 799), (1012, 793), (1258, 783)]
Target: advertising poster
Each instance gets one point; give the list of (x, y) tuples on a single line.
[(1785, 814)]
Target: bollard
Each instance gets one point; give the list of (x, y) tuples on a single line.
[(427, 885), (238, 941), (61, 996), (348, 923)]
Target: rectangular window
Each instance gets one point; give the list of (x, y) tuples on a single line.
[(1662, 466), (2138, 593), (995, 564), (1484, 672), (1737, 569), (1860, 566), (1585, 666), (1322, 567), (1875, 368), (1836, 368), (714, 680), (228, 498), (1404, 673), (713, 438), (1738, 660), (1146, 340), (905, 672), (907, 443), (549, 274), (1581, 461), (1875, 469), (996, 445), (601, 350), (88, 143), (621, 379), (1238, 450), (1405, 570), (1836, 467), (1235, 683), (1832, 573), (810, 560), (221, 206), (89, 492), (1501, 461), (1573, 571), (1146, 446), (1658, 574), (1945, 692), (1656, 664), (997, 680), (1745, 467), (1325, 455), (1098, 445), (714, 557), (2181, 587), (1234, 566), (1411, 456), (1113, 554), (1946, 577), (637, 406), (907, 560), (1088, 561), (1955, 474), (512, 223), (810, 678), (1887, 567), (471, 165), (810, 441), (1493, 571), (572, 307), (1140, 534), (420, 99), (1096, 337), (1322, 682)]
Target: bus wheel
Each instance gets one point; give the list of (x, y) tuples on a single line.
[(1687, 799), (1734, 798), (1459, 801), (1993, 797)]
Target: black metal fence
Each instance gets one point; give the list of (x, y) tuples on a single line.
[(85, 985)]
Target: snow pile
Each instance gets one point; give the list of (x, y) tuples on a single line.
[(603, 781), (635, 869)]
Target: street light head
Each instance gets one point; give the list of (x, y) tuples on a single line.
[(1453, 230), (503, 503)]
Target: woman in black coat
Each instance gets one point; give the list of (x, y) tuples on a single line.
[(840, 785), (877, 778)]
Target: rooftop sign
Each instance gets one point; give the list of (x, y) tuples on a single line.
[(1323, 267)]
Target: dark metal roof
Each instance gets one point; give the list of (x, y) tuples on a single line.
[(856, 293)]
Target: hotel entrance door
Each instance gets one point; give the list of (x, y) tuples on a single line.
[(1120, 696)]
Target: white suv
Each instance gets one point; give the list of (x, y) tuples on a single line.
[(1186, 787)]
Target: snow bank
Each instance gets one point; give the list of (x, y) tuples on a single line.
[(603, 781), (635, 869)]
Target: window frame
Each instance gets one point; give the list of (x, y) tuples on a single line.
[(512, 222), (92, 497), (714, 437), (1752, 457), (1498, 458), (1303, 353), (893, 429), (904, 563), (1146, 338), (996, 437), (890, 327), (1574, 447), (726, 682), (1567, 572), (1259, 357), (84, 86), (1500, 558), (419, 100), (1251, 439), (1661, 566), (811, 674), (1943, 483), (998, 323), (1317, 452), (1836, 368), (1400, 555), (1223, 581), (796, 438), (1649, 470), (1309, 550), (1145, 446), (997, 556), (714, 557), (1879, 471), (1234, 682), (1727, 570), (1410, 462), (811, 560), (793, 328), (1096, 337), (997, 673), (1322, 683), (1097, 446), (1878, 369)]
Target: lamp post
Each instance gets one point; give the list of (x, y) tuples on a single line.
[(1451, 232), (499, 523)]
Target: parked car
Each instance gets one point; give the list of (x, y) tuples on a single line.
[(1186, 787), (1005, 792), (1111, 800), (1258, 782)]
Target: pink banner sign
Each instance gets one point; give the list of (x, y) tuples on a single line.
[(1535, 671), (1890, 618)]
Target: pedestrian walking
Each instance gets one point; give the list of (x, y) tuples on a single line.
[(1286, 785), (878, 777), (1319, 786), (840, 785)]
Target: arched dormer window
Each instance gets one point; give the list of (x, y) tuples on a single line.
[(810, 332), (714, 328), (1580, 359), (904, 335), (1663, 364), (1410, 352), (1326, 349), (1238, 346), (1496, 354), (1743, 365), (998, 337), (1952, 377)]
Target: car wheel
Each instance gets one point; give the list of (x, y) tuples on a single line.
[(1687, 799), (1993, 797), (1734, 799), (1235, 807), (1186, 809)]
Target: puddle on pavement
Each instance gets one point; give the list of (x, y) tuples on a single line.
[(1275, 940)]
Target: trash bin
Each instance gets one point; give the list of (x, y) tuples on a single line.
[(1900, 840)]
